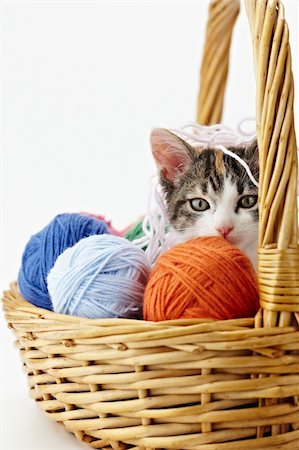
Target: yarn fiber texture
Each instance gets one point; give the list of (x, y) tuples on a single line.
[(43, 249), (100, 277), (108, 223), (202, 278), (135, 231)]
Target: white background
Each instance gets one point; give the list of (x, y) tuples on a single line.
[(83, 83)]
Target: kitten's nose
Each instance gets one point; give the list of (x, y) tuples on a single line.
[(224, 231)]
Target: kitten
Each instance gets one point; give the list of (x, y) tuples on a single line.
[(207, 192)]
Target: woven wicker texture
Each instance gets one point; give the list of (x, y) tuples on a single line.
[(191, 384), (278, 232), (161, 385), (215, 61)]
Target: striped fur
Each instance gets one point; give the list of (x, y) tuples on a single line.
[(215, 177)]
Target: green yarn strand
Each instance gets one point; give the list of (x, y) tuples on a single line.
[(135, 232)]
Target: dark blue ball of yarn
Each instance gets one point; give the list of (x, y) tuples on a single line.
[(42, 250)]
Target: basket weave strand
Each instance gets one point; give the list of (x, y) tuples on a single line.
[(193, 384), (215, 61), (112, 382), (278, 230)]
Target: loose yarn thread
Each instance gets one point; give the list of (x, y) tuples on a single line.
[(135, 231), (43, 249), (155, 238), (100, 277), (219, 137)]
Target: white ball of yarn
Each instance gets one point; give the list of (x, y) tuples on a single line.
[(102, 276)]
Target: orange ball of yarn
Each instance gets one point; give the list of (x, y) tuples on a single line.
[(202, 278)]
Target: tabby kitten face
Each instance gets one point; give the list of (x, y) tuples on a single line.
[(208, 193)]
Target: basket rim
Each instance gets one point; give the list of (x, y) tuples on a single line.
[(13, 298)]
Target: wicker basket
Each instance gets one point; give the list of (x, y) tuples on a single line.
[(193, 384)]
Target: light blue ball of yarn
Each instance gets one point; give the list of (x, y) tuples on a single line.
[(99, 277)]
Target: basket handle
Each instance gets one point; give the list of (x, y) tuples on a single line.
[(278, 251), (278, 226), (215, 60)]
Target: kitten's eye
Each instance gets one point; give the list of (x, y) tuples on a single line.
[(248, 201), (199, 204)]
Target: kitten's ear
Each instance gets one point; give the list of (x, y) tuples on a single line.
[(252, 152), (252, 157), (172, 155)]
